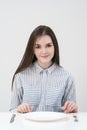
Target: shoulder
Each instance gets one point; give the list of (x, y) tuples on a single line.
[(21, 77), (64, 72), (26, 71)]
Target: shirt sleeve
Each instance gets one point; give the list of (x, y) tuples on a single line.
[(70, 90), (16, 94)]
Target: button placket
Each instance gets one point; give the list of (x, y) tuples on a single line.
[(43, 97)]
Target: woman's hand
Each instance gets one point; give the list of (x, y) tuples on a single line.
[(24, 108), (69, 107)]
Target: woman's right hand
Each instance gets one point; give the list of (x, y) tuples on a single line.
[(24, 108)]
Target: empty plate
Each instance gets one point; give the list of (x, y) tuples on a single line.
[(45, 116)]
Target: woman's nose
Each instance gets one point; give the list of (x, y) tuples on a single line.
[(43, 50)]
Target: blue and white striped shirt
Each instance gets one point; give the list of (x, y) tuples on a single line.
[(43, 89)]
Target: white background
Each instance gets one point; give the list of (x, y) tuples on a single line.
[(68, 19)]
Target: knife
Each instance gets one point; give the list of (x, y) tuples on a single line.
[(12, 118)]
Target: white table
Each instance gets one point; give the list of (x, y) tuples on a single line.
[(18, 124)]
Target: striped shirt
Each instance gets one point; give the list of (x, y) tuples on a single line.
[(43, 89)]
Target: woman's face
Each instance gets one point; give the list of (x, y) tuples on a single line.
[(44, 50)]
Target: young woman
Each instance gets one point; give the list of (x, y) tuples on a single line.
[(40, 83)]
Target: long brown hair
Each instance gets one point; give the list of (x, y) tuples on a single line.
[(29, 57)]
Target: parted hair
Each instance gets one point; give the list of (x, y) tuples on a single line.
[(29, 57)]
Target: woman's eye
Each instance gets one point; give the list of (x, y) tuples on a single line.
[(49, 45), (37, 46)]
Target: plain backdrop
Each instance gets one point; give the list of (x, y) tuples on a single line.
[(68, 19)]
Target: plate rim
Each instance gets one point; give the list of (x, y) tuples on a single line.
[(65, 118)]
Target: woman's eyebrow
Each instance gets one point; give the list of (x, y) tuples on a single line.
[(46, 43), (49, 43), (36, 44)]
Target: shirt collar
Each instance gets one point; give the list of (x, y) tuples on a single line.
[(39, 69)]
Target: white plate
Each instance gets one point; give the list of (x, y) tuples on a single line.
[(45, 116)]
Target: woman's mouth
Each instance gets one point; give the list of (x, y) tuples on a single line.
[(44, 56)]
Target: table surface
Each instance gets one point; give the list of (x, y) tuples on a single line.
[(18, 124)]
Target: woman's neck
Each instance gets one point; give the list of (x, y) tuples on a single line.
[(44, 66)]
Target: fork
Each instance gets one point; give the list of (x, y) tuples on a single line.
[(75, 118)]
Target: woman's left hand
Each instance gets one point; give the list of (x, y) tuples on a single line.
[(69, 107)]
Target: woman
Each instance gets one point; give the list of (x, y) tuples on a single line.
[(40, 83)]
